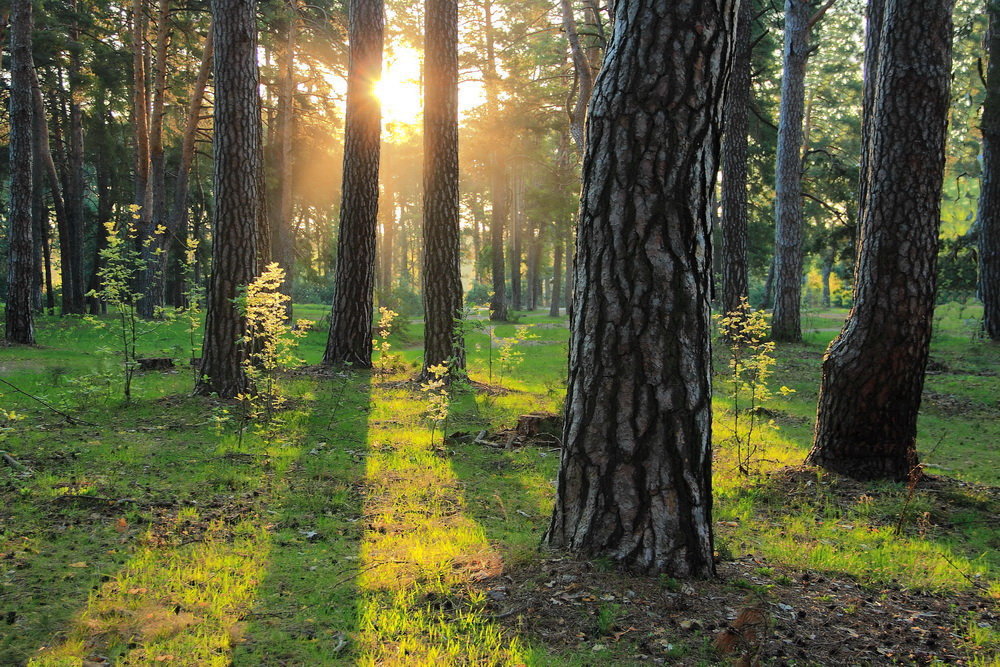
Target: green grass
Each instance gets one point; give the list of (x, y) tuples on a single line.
[(347, 536)]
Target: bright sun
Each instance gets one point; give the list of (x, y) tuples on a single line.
[(399, 89)]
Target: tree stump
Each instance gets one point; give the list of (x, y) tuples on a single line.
[(155, 363), (535, 424)]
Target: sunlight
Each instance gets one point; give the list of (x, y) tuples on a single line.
[(399, 89)]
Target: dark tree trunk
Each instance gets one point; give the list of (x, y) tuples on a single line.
[(140, 110), (350, 339), (282, 229), (556, 276), (237, 216), (873, 374), (388, 241), (498, 178), (20, 322), (103, 181), (151, 284), (584, 74), (635, 480), (534, 274), (734, 168), (40, 217), (989, 193), (441, 269), (786, 323)]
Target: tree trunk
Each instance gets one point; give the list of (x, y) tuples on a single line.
[(350, 339), (873, 374), (140, 109), (584, 74), (989, 193), (556, 275), (734, 168), (635, 480), (237, 216), (388, 242), (498, 178), (786, 323), (20, 322), (155, 220), (534, 275), (441, 269), (282, 222), (516, 230)]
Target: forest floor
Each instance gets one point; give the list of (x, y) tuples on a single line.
[(349, 531)]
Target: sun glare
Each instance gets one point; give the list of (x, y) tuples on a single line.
[(399, 89)]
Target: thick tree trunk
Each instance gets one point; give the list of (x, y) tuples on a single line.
[(989, 193), (20, 322), (873, 374), (350, 339), (556, 276), (734, 168), (635, 480), (441, 268), (238, 214), (786, 323), (584, 74)]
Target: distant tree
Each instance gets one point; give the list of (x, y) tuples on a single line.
[(20, 264), (635, 480), (989, 192), (582, 71), (800, 17), (734, 167), (873, 373), (237, 216), (442, 276), (350, 339)]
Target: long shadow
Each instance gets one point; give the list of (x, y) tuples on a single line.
[(305, 608)]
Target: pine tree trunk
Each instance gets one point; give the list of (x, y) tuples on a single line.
[(388, 242), (989, 192), (350, 339), (20, 323), (282, 221), (556, 276), (786, 323), (734, 168), (499, 183), (441, 268), (516, 230), (583, 71), (873, 374), (635, 480), (237, 216)]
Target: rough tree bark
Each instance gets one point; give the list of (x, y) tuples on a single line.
[(734, 168), (786, 324), (873, 373), (441, 270), (20, 322), (350, 339), (989, 192), (237, 216), (635, 480), (584, 74)]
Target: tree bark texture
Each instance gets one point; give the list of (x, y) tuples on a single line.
[(635, 480), (350, 338), (873, 373), (441, 274), (786, 323), (20, 323), (734, 168), (237, 215), (989, 192), (584, 74)]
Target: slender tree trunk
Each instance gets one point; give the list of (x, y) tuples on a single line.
[(827, 270), (498, 177), (786, 324), (556, 275), (140, 108), (534, 275), (441, 268), (103, 181), (40, 213), (635, 480), (989, 193), (237, 216), (350, 339), (734, 168), (155, 220), (388, 241), (516, 230), (584, 73), (873, 374), (20, 322)]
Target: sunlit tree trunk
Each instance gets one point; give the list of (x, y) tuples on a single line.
[(238, 214), (734, 168), (350, 338), (441, 267), (989, 192), (583, 71), (873, 373), (635, 480), (20, 323)]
